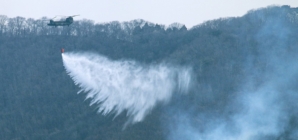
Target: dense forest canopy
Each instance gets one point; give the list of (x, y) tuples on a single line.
[(245, 73)]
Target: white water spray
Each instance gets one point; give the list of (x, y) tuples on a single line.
[(117, 86)]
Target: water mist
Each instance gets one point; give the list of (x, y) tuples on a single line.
[(118, 86)]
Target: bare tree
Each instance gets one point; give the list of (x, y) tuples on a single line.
[(20, 25), (11, 26), (31, 26), (3, 22), (86, 27), (42, 26)]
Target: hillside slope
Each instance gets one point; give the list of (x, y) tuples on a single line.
[(245, 71)]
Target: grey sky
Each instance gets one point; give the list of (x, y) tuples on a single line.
[(188, 12)]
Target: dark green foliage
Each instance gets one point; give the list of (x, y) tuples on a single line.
[(38, 99)]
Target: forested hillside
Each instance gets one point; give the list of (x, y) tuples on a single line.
[(245, 70)]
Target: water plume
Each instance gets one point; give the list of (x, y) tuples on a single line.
[(118, 86)]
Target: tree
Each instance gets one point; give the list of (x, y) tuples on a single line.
[(3, 22)]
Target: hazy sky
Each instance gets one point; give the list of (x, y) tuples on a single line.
[(188, 12)]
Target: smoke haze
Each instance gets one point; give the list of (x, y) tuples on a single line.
[(264, 104), (118, 86)]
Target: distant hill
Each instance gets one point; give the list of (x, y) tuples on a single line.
[(245, 70)]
